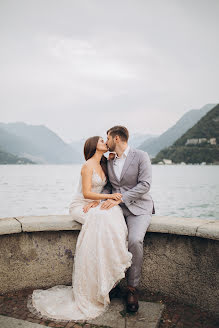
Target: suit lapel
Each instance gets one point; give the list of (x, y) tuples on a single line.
[(129, 158), (112, 169)]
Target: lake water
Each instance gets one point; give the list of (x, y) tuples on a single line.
[(177, 190)]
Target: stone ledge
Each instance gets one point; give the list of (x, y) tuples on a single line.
[(209, 230), (205, 228), (48, 223), (9, 225)]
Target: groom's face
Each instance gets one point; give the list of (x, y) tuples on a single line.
[(110, 143)]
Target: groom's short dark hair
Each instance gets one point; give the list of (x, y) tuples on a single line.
[(119, 130)]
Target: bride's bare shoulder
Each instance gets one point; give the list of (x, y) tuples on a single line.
[(87, 168)]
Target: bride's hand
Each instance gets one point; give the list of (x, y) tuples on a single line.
[(116, 196), (90, 205)]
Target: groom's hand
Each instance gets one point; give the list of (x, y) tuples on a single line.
[(109, 203)]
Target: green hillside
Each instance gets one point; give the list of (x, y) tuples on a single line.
[(7, 158), (199, 144), (153, 145)]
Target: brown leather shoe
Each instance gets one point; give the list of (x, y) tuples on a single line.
[(132, 299)]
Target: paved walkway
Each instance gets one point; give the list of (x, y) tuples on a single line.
[(8, 322), (149, 315), (173, 315)]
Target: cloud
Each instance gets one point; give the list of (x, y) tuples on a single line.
[(86, 60)]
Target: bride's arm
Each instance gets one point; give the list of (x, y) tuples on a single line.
[(86, 173)]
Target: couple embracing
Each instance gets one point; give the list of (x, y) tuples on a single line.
[(114, 206)]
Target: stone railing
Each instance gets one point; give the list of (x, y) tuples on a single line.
[(180, 256)]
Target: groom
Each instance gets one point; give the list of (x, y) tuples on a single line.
[(130, 174)]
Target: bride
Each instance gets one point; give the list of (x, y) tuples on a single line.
[(101, 256)]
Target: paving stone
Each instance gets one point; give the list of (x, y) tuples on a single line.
[(112, 317), (148, 315), (70, 325), (175, 313), (7, 322)]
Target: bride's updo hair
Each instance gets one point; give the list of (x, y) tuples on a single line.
[(90, 148)]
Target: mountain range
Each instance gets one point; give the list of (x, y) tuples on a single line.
[(24, 143), (36, 143)]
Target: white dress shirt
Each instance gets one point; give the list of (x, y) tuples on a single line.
[(119, 162)]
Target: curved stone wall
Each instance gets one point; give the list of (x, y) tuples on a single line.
[(180, 256)]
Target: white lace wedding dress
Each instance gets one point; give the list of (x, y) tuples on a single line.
[(100, 261)]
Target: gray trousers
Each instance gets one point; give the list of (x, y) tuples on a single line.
[(137, 227)]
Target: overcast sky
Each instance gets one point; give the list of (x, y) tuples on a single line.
[(80, 67)]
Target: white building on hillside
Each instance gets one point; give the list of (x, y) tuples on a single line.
[(167, 161)]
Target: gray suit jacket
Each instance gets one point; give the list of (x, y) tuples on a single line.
[(134, 183)]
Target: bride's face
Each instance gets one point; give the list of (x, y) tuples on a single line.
[(101, 145)]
